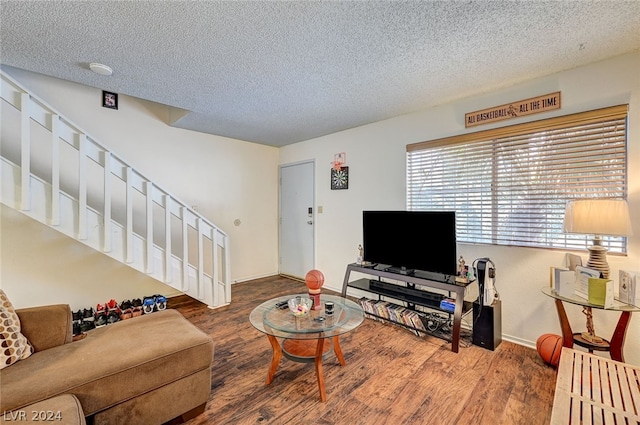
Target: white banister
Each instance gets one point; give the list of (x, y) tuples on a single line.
[(129, 215), (107, 229), (214, 260), (185, 248), (49, 186), (222, 241), (200, 258), (25, 156), (148, 189), (166, 201), (55, 170), (82, 187)]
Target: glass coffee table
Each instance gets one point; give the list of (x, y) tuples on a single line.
[(307, 339)]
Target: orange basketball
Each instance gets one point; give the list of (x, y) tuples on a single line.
[(549, 347), (314, 279)]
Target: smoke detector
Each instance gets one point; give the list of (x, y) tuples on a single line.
[(101, 69)]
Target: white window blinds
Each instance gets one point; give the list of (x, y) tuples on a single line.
[(509, 186)]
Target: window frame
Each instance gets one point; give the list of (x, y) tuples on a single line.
[(533, 129)]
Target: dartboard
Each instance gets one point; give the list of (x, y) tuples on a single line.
[(340, 178)]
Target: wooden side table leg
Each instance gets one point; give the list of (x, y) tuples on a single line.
[(275, 360), (567, 333), (617, 340), (319, 375), (338, 350)]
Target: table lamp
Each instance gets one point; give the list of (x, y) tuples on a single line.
[(598, 217)]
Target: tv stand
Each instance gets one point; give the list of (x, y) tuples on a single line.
[(410, 295)]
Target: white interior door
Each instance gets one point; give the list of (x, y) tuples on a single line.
[(297, 219)]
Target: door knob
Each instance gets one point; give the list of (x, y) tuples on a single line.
[(309, 222)]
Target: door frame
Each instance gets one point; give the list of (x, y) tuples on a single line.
[(313, 217)]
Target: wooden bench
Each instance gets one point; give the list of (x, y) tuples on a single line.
[(595, 390)]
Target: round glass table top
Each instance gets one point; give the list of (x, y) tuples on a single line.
[(280, 322), (575, 299)]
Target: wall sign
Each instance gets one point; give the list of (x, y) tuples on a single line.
[(535, 105)]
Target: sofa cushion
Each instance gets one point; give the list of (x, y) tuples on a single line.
[(14, 345), (112, 364), (46, 326)]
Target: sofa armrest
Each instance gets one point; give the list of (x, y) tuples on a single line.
[(46, 326)]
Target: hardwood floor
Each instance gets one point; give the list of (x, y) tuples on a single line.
[(391, 376)]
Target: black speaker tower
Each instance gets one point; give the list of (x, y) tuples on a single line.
[(487, 325)]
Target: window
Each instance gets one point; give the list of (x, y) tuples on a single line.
[(509, 186)]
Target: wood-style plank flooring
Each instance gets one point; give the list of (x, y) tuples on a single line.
[(391, 376)]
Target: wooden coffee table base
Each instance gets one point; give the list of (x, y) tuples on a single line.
[(305, 351)]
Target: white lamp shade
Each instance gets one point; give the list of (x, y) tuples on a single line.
[(598, 217)]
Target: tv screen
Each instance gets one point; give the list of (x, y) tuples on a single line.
[(421, 240)]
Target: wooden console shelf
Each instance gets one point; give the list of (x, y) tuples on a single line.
[(411, 296)]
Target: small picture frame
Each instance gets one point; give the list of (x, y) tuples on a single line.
[(109, 100)]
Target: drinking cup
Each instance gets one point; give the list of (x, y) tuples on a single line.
[(328, 307)]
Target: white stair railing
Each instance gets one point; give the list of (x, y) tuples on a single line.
[(55, 173)]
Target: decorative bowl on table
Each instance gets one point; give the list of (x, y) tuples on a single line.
[(300, 306)]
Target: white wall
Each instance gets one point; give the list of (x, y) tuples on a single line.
[(226, 179), (376, 159)]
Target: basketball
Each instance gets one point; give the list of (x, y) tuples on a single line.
[(549, 347), (314, 279)]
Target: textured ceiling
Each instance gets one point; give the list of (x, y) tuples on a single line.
[(277, 72)]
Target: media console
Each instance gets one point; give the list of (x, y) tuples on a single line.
[(406, 292)]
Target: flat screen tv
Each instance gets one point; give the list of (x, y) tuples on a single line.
[(411, 240)]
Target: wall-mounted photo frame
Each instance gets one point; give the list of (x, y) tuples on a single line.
[(109, 100), (340, 178)]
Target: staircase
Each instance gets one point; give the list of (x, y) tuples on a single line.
[(55, 173)]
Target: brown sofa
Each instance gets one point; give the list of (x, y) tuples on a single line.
[(146, 370)]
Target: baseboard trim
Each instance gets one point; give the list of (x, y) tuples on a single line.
[(519, 341), (248, 278)]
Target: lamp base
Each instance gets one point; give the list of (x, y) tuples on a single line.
[(598, 258)]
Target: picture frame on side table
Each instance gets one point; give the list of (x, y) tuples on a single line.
[(601, 292), (582, 281), (563, 281), (629, 288), (574, 261)]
